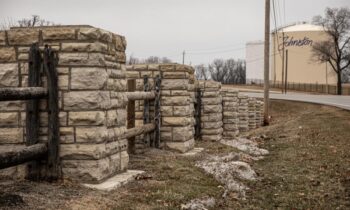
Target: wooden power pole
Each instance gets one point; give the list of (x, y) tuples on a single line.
[(267, 63)]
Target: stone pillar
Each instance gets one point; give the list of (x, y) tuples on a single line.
[(243, 112), (211, 112), (230, 112), (251, 113), (177, 132), (92, 100), (258, 115)]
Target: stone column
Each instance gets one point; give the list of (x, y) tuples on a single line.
[(177, 132), (251, 113), (230, 113), (243, 112), (92, 100), (211, 112)]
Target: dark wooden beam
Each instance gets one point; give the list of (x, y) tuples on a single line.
[(131, 116), (53, 161), (23, 93), (16, 157)]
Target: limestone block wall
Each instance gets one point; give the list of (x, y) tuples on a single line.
[(211, 110), (230, 112), (92, 98), (177, 132)]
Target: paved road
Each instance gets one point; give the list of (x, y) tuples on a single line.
[(331, 100)]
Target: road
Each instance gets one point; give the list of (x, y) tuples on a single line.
[(331, 100)]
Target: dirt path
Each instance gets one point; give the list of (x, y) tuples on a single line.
[(308, 167)]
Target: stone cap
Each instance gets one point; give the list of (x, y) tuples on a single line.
[(161, 67), (25, 36)]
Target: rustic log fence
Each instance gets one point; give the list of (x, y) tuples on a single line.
[(35, 153), (148, 127)]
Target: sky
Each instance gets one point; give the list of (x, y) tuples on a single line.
[(204, 29)]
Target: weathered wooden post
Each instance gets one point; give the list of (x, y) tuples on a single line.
[(32, 108), (131, 116), (53, 160), (146, 119), (157, 116)]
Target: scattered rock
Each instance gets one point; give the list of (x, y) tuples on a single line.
[(246, 145), (199, 204)]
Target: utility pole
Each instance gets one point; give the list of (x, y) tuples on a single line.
[(286, 79), (282, 62), (267, 63), (183, 57)]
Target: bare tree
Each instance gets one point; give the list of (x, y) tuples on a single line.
[(201, 72), (336, 50), (35, 20), (217, 70), (149, 60)]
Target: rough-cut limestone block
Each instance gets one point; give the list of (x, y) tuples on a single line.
[(117, 85), (88, 78), (119, 42), (91, 134), (180, 146), (166, 136), (59, 33), (112, 118), (210, 125), (7, 54), (122, 115), (88, 151), (23, 57), (211, 101), (212, 117), (82, 59), (12, 105), (180, 93), (86, 100), (211, 137), (84, 47), (66, 135), (62, 118), (212, 109), (175, 101), (212, 84), (11, 135), (2, 38), (182, 133), (181, 110), (63, 81), (214, 131), (176, 121), (23, 36), (231, 120), (86, 118), (166, 110), (132, 74), (95, 34), (230, 114), (119, 133), (9, 119), (174, 84), (9, 75), (174, 75), (92, 171), (124, 160)]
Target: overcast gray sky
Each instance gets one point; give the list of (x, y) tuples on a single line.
[(205, 29)]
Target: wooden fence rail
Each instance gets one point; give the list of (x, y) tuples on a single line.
[(149, 125), (35, 153), (24, 93)]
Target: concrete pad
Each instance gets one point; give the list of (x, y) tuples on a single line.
[(115, 181), (193, 152)]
